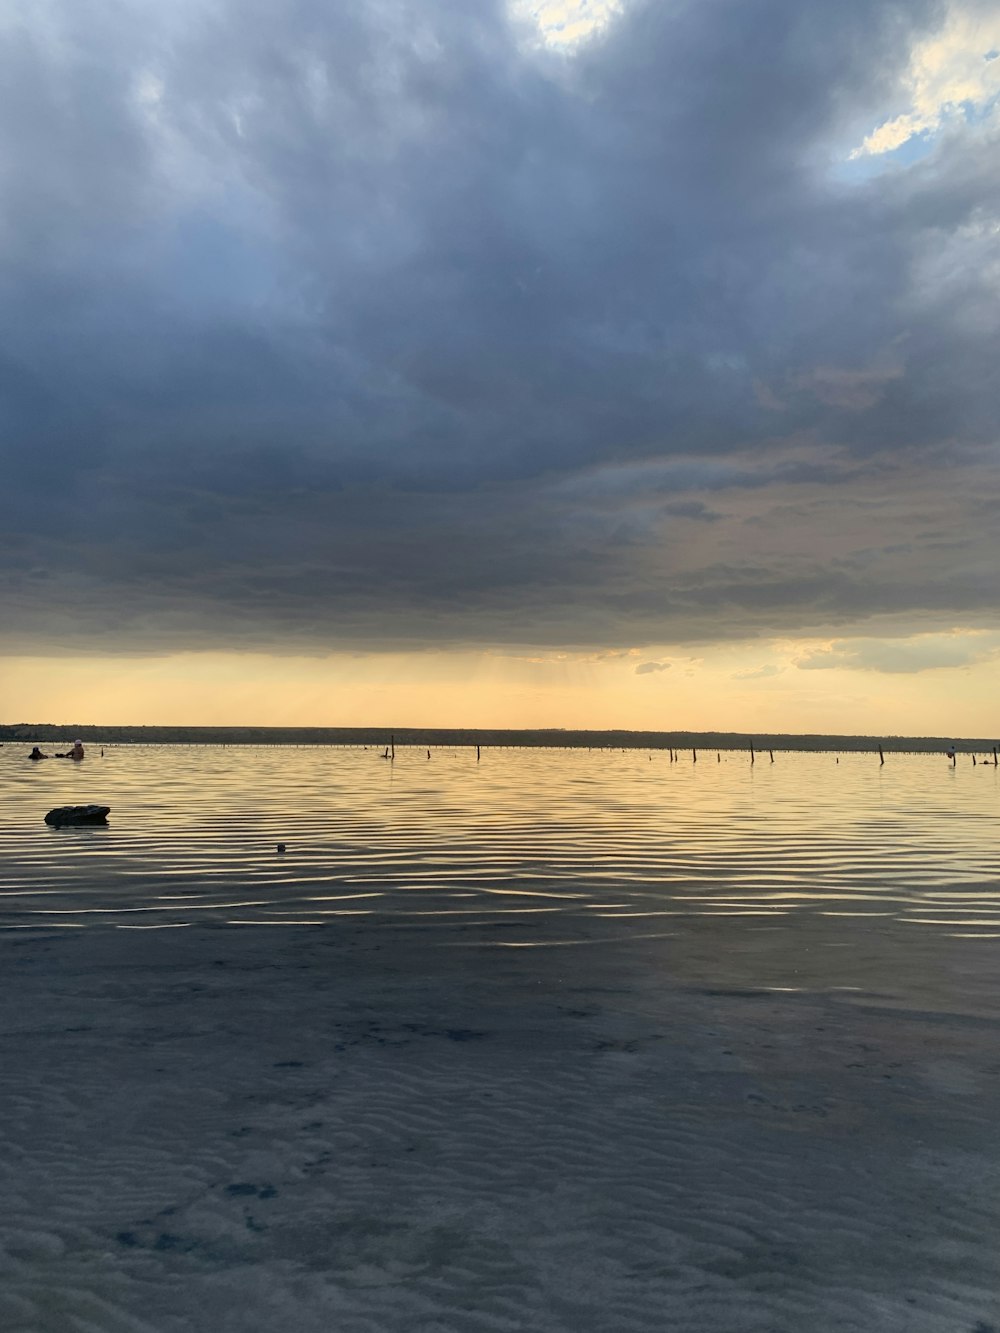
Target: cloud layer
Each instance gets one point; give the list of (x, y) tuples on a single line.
[(921, 652), (391, 324)]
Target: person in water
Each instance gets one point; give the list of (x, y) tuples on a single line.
[(75, 753), (37, 754)]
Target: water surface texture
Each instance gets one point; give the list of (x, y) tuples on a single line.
[(558, 1040), (449, 841)]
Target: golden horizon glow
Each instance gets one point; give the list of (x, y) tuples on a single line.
[(847, 686)]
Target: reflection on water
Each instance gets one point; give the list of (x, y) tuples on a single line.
[(448, 841)]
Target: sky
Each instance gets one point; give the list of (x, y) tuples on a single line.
[(508, 363)]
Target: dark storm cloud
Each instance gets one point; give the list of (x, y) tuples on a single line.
[(376, 323)]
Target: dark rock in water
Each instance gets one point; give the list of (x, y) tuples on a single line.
[(78, 814)]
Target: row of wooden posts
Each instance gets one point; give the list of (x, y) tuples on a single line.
[(390, 753), (390, 750), (675, 756)]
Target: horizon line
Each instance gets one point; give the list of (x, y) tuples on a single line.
[(568, 737)]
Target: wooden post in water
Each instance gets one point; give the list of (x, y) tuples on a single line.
[(994, 756), (751, 753), (477, 754), (392, 747), (881, 756), (694, 756), (771, 753)]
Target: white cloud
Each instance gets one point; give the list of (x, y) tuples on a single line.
[(565, 23), (951, 74)]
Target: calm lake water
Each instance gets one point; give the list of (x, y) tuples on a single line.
[(447, 842)]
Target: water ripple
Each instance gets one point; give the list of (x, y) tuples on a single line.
[(194, 834)]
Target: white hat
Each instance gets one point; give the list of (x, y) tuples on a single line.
[(78, 742)]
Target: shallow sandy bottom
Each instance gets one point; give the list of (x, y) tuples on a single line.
[(377, 1127)]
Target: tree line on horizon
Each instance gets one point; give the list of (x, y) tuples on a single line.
[(552, 737)]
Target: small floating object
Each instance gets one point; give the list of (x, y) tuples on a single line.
[(77, 814), (281, 846)]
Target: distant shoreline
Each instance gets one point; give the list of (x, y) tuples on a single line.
[(559, 738)]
